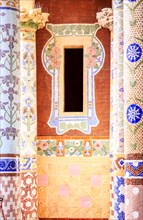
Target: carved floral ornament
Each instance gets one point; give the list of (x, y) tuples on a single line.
[(105, 18), (33, 18)]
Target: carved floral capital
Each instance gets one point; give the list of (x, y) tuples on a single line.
[(105, 18), (33, 18)]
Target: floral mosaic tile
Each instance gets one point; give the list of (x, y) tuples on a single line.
[(46, 147), (73, 147), (100, 147)]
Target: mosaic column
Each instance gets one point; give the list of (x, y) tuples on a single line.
[(9, 110), (117, 108), (30, 22), (133, 84), (116, 115)]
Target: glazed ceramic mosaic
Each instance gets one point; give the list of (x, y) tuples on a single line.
[(10, 192), (133, 78), (116, 114), (28, 163), (9, 109), (78, 177), (53, 61), (77, 147), (28, 97), (79, 185), (134, 201), (29, 195), (133, 81), (9, 79)]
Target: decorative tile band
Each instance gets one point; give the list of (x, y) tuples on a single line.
[(28, 164), (71, 147), (136, 156), (134, 181), (73, 29), (134, 169), (9, 165), (9, 8)]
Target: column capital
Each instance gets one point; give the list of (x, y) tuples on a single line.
[(32, 19), (105, 18)]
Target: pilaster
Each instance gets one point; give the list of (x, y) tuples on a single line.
[(30, 21), (117, 115)]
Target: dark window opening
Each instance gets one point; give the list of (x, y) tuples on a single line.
[(73, 79)]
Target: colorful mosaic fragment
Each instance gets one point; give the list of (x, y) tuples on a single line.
[(28, 163)]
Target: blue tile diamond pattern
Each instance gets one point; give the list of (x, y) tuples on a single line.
[(119, 198)]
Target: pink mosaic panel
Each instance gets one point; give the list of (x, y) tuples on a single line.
[(76, 187), (134, 202)]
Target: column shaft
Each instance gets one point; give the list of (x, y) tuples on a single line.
[(116, 116), (9, 110), (28, 124), (133, 81)]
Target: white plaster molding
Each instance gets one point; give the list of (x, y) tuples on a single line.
[(105, 18), (33, 18)]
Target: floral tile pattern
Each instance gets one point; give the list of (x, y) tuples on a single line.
[(100, 148), (73, 147), (47, 148)]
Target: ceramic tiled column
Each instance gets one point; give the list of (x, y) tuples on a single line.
[(116, 115), (30, 21), (117, 109), (9, 110), (133, 83)]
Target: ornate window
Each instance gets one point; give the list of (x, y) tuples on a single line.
[(68, 36)]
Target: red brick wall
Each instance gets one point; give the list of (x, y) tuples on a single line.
[(73, 11)]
